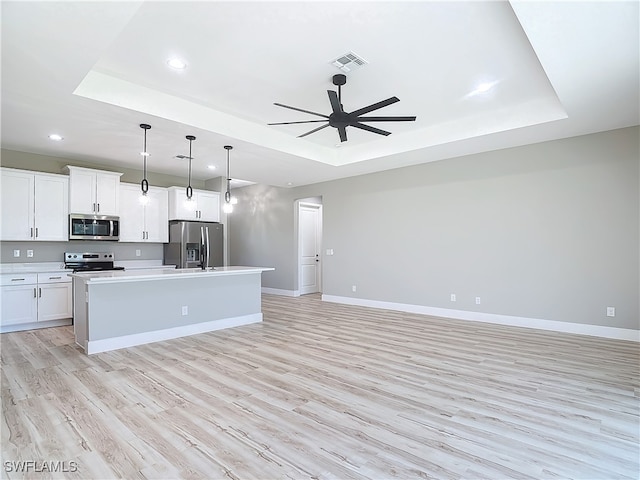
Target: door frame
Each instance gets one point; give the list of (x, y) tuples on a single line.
[(312, 204)]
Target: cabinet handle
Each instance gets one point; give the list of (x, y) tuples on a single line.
[(55, 278), (34, 292), (98, 208), (17, 279), (94, 208), (39, 292), (31, 232), (36, 232)]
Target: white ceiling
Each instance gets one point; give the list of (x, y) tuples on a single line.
[(93, 71)]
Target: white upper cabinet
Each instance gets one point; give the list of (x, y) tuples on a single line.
[(144, 223), (93, 192), (34, 206), (204, 207)]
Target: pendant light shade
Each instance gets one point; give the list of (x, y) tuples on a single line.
[(191, 138), (227, 207), (144, 184)]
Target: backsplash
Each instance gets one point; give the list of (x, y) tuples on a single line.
[(54, 251)]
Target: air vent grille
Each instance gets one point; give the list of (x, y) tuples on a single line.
[(348, 62)]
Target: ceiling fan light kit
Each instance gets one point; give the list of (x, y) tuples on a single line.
[(340, 120)]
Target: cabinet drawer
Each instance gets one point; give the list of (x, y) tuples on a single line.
[(56, 277), (18, 279)]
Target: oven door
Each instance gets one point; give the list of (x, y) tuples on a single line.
[(93, 227)]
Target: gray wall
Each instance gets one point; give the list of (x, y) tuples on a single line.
[(548, 231), (54, 251), (43, 163)]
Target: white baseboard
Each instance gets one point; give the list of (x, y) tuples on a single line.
[(18, 327), (278, 291), (125, 341), (537, 323)]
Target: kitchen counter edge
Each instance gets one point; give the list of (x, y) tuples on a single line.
[(140, 275)]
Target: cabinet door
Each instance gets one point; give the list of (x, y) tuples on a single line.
[(107, 194), (209, 206), (131, 214), (19, 305), (54, 301), (51, 208), (82, 192), (17, 208), (156, 216), (179, 208)]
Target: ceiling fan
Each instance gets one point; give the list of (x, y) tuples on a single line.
[(340, 119)]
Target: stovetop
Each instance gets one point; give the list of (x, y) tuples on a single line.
[(90, 261)]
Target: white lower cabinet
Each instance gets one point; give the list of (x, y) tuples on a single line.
[(54, 297), (35, 299), (19, 304)]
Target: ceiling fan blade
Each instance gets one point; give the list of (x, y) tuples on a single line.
[(313, 131), (335, 102), (369, 128), (342, 130), (386, 119), (301, 110), (375, 106), (291, 123)]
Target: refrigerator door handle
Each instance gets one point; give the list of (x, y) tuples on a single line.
[(206, 246)]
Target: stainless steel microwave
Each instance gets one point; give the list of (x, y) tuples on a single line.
[(94, 227)]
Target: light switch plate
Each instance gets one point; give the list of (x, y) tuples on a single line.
[(30, 253)]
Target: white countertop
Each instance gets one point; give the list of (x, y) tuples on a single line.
[(164, 274), (35, 267), (51, 267)]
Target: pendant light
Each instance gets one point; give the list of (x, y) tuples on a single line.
[(144, 184), (227, 207), (191, 138)]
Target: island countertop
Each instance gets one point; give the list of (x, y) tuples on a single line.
[(160, 273), (118, 309)]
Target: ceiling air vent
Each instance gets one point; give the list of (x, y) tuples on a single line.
[(348, 62)]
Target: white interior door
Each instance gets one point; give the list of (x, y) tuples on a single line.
[(309, 239)]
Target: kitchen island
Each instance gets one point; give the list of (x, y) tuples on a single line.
[(118, 309)]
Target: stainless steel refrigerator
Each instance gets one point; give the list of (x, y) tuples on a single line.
[(193, 243)]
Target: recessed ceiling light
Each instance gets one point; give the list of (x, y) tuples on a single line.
[(211, 167), (55, 137), (482, 88), (176, 63)]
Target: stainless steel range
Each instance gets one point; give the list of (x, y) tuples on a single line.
[(90, 261)]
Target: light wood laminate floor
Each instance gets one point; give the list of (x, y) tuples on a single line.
[(325, 391)]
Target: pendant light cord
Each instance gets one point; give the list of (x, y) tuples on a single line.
[(227, 194), (191, 138), (145, 183)]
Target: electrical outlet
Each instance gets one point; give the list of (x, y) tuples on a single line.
[(138, 253), (185, 310), (353, 288), (329, 251), (453, 297), (477, 300), (30, 253), (611, 311), (16, 253)]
